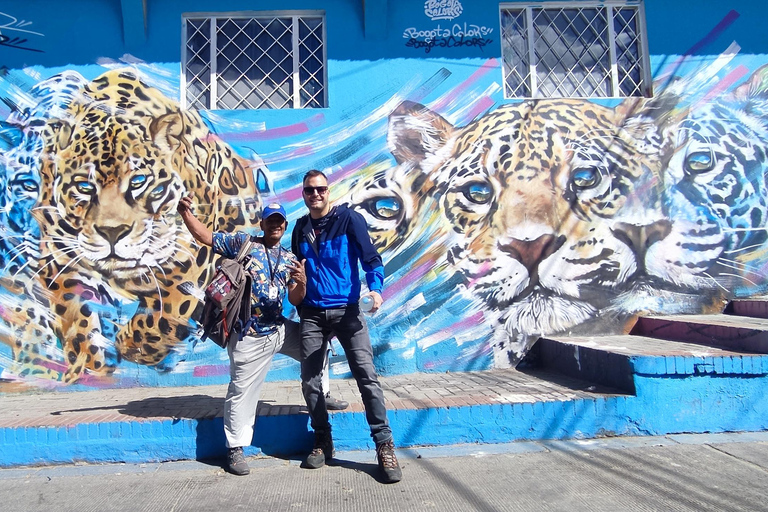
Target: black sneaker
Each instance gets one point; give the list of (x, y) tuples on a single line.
[(390, 469), (333, 404), (323, 450), (236, 462)]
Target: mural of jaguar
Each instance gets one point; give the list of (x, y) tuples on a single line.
[(22, 137), (111, 177), (540, 198), (716, 194)]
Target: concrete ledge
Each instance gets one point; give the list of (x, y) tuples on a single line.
[(757, 308), (662, 406), (747, 334), (677, 388)]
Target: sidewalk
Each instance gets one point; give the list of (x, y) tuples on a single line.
[(683, 473)]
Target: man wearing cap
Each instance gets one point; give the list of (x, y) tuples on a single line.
[(275, 272)]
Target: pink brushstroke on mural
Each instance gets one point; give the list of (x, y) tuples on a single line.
[(210, 370), (724, 84), (452, 330), (275, 133), (481, 272), (412, 277), (480, 107), (489, 65)]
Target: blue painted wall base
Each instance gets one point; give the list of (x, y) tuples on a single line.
[(664, 404)]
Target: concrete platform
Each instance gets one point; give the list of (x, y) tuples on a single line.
[(156, 424), (675, 375)]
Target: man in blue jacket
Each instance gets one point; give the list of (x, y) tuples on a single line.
[(334, 241)]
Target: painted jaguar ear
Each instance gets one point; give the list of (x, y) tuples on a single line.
[(664, 105), (166, 131), (755, 87), (62, 132), (663, 112), (416, 132)]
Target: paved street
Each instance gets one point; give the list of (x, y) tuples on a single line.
[(684, 472)]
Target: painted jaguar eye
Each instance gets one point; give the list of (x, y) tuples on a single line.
[(385, 208), (585, 178), (157, 192), (478, 192), (85, 187), (699, 161), (26, 184), (138, 181), (29, 185)]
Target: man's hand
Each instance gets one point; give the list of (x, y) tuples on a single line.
[(298, 273), (201, 232), (377, 301), (298, 288), (185, 205)]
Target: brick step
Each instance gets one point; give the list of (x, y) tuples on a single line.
[(741, 333), (152, 424), (614, 361), (755, 307)]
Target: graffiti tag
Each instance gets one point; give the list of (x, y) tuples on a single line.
[(443, 9), (448, 42), (457, 30), (10, 23), (16, 42)]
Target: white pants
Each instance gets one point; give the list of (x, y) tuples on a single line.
[(249, 362)]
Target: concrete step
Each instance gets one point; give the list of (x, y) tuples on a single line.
[(755, 307), (161, 424), (742, 333), (615, 360), (711, 385), (698, 373)]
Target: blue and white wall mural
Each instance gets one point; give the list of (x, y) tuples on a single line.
[(499, 221)]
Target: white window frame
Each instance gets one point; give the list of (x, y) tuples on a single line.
[(296, 45), (532, 76)]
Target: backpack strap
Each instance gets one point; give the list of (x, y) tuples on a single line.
[(245, 249)]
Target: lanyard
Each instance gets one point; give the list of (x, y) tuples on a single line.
[(273, 270)]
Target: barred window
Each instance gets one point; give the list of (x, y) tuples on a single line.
[(253, 61), (574, 50)]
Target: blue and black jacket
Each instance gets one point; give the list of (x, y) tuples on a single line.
[(333, 278)]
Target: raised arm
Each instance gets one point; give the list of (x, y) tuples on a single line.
[(201, 233)]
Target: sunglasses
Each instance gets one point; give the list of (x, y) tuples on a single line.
[(311, 190)]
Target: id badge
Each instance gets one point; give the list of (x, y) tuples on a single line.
[(272, 292)]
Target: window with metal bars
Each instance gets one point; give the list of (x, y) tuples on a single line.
[(574, 50), (254, 61)]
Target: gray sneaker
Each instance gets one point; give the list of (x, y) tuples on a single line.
[(236, 462), (335, 404)]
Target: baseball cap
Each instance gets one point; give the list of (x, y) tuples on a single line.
[(272, 209)]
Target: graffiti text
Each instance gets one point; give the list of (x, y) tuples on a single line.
[(457, 30), (443, 9), (448, 42), (11, 23)]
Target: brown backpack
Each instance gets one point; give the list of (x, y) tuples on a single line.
[(227, 310)]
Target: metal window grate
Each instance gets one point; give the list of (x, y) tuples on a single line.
[(558, 50), (255, 62)]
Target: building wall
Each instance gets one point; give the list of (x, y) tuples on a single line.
[(498, 220)]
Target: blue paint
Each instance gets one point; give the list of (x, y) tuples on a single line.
[(664, 404), (134, 22)]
